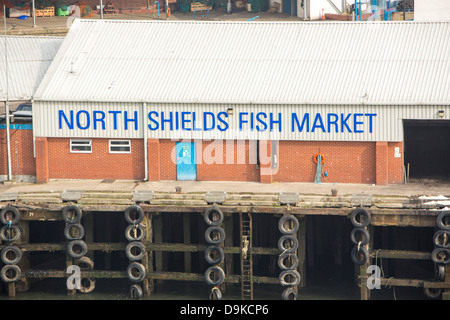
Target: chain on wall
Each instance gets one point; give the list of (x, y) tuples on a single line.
[(289, 277), (214, 254), (135, 249)]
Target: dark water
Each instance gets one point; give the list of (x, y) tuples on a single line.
[(118, 289)]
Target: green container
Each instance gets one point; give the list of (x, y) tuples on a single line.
[(60, 12)]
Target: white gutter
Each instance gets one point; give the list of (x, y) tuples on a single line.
[(144, 107)]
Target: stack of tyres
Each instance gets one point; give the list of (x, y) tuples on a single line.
[(135, 250), (214, 255), (360, 218), (288, 260), (10, 254), (441, 254), (76, 247)]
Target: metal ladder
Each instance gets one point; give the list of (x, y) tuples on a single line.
[(246, 256)]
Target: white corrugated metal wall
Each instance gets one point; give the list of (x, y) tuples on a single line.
[(385, 122)]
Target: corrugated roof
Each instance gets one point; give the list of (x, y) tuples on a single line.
[(252, 62), (28, 60)]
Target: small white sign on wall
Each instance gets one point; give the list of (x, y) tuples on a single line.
[(397, 153)]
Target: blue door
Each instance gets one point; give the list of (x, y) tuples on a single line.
[(186, 164)]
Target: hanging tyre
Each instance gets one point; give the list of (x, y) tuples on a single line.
[(440, 255), (136, 292), (135, 251), (214, 255), (287, 261), (10, 215), (136, 272), (360, 217), (135, 232), (87, 285), (76, 249), (10, 273), (360, 235), (289, 293), (71, 214), (442, 219), (441, 239), (213, 216), (287, 243), (214, 276), (214, 235), (11, 255), (288, 224), (85, 263), (432, 293), (215, 294), (134, 215), (74, 231), (289, 278), (439, 272), (360, 256), (10, 233)]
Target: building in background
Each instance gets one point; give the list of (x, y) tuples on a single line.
[(241, 101)]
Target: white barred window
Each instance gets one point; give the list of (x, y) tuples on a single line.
[(81, 146), (119, 146)]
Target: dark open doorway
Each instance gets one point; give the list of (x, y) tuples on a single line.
[(427, 148)]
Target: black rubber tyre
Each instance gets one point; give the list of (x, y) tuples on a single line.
[(135, 251), (290, 293), (11, 255), (441, 239), (214, 270), (358, 223), (287, 261), (136, 292), (211, 232), (77, 249), (365, 236), (10, 233), (440, 256), (136, 272), (288, 224), (87, 285), (134, 215), (215, 294), (360, 257), (444, 215), (213, 216), (135, 232), (10, 273), (68, 231), (287, 243), (432, 293), (214, 255), (85, 263), (71, 214), (439, 272), (293, 276), (10, 215)]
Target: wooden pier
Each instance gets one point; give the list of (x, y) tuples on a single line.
[(174, 222)]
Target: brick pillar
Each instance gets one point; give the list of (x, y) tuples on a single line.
[(265, 161), (382, 163), (154, 160), (42, 174)]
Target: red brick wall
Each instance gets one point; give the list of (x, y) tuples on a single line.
[(395, 169), (345, 162), (22, 157), (218, 163), (100, 164)]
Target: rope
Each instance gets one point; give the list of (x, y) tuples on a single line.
[(318, 178)]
